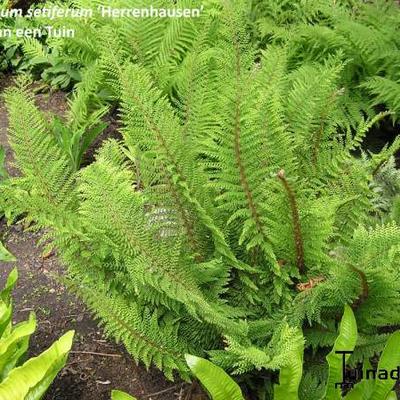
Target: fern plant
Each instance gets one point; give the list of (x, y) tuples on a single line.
[(363, 34), (386, 186), (238, 201)]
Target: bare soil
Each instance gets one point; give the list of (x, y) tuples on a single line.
[(96, 364)]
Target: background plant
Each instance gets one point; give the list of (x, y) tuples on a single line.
[(33, 56), (362, 34)]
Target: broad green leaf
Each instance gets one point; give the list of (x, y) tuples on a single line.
[(31, 380), (5, 317), (218, 383), (118, 395), (5, 255), (5, 293), (389, 360), (290, 376), (14, 346), (39, 60), (346, 341), (75, 75), (392, 396), (6, 303)]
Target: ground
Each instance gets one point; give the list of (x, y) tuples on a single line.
[(96, 364)]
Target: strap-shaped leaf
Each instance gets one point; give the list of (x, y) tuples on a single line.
[(5, 294), (5, 318), (6, 303), (5, 255), (118, 395), (290, 376), (15, 345), (346, 341), (218, 383), (31, 380), (390, 359)]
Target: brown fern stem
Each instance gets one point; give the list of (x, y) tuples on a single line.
[(298, 238), (237, 146), (242, 173)]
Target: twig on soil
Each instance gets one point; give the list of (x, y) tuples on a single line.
[(103, 343), (161, 391), (93, 353)]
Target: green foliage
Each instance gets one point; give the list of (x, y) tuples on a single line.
[(5, 255), (11, 47), (386, 188), (376, 389), (237, 210), (3, 171), (389, 360), (290, 373), (363, 34), (217, 382), (5, 303), (33, 55), (3, 176), (29, 380), (118, 395), (74, 141), (221, 386), (345, 341), (49, 64), (14, 345), (32, 379)]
